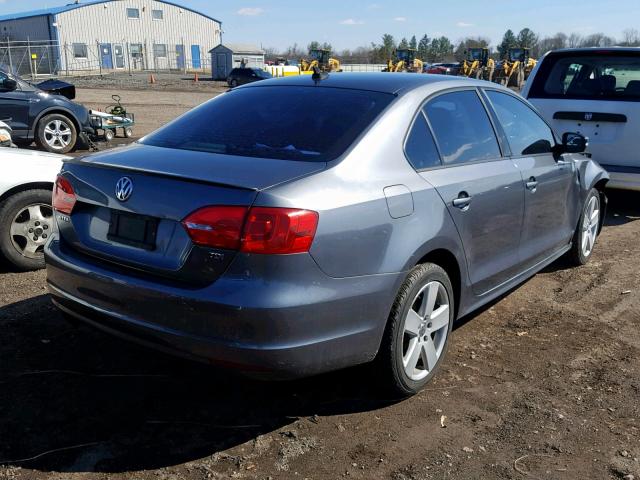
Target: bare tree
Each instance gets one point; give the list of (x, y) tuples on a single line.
[(574, 40), (631, 37), (598, 40)]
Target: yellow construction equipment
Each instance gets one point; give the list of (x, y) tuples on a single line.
[(405, 61), (515, 70), (478, 64), (320, 58)]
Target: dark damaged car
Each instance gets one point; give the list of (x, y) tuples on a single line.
[(44, 113)]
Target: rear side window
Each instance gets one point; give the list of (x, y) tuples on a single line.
[(312, 123), (588, 76), (420, 148), (526, 132), (462, 128)]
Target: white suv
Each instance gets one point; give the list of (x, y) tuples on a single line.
[(596, 92)]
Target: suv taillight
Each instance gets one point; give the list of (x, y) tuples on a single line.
[(265, 230), (64, 198)]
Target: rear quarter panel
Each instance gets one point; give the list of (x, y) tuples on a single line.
[(356, 233), (20, 167)]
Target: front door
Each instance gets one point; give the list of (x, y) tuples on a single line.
[(14, 107), (106, 60), (551, 184), (195, 56), (180, 56), (118, 52), (482, 190)]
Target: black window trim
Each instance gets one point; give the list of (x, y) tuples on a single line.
[(434, 95), (524, 102)]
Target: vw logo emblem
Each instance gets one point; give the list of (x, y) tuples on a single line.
[(124, 188), (588, 116)]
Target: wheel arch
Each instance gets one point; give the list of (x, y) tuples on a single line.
[(446, 259), (24, 187), (60, 111)]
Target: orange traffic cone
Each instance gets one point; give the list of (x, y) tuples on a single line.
[(195, 77), (152, 79)]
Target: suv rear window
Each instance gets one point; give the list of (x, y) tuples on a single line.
[(283, 122), (589, 76)]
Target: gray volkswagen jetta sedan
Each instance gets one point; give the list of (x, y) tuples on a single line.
[(300, 225)]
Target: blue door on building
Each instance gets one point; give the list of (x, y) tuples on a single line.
[(180, 56), (106, 59), (195, 56)]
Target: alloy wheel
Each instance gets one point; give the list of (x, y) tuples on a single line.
[(590, 224), (30, 229), (57, 134), (426, 328)]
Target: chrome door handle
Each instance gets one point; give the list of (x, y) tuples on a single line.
[(532, 184), (561, 163), (463, 201)]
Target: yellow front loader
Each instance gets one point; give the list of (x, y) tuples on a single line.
[(405, 61)]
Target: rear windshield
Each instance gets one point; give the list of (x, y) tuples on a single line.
[(312, 123), (591, 76)]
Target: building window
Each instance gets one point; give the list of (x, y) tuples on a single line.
[(136, 50), (79, 50), (159, 50), (133, 13), (157, 14)]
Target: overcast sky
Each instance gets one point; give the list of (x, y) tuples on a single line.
[(349, 23)]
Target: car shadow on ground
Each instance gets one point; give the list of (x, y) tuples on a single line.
[(95, 403), (623, 207)]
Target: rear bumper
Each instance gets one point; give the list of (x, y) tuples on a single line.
[(274, 316)]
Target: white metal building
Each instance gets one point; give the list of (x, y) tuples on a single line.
[(118, 34), (227, 56)]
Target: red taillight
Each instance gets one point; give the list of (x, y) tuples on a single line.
[(266, 230), (218, 227), (64, 198), (279, 230)]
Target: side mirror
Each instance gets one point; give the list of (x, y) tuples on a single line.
[(573, 143)]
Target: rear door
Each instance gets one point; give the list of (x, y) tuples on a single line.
[(482, 190), (551, 184), (595, 93)]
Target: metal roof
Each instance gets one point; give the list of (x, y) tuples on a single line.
[(240, 48), (384, 82), (73, 6)]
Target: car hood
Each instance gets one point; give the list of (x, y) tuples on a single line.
[(214, 168)]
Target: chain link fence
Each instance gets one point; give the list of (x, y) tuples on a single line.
[(44, 58)]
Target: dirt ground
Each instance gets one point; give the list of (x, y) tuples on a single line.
[(543, 384)]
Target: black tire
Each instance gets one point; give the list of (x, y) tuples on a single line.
[(109, 134), (577, 255), (390, 356), (9, 209), (128, 132), (44, 139), (234, 83)]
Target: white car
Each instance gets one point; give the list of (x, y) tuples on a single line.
[(595, 92), (26, 218)]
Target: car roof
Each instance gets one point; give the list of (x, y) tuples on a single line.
[(383, 82), (596, 49)]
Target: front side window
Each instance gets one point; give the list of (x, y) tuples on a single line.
[(79, 50), (275, 122), (157, 14), (526, 132), (588, 76), (462, 128), (159, 50), (133, 13), (420, 148)]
